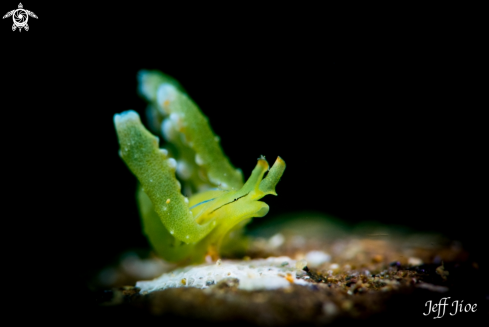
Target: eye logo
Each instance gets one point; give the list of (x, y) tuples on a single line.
[(20, 17)]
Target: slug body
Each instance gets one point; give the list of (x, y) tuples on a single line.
[(184, 229)]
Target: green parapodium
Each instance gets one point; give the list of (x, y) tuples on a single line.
[(182, 229)]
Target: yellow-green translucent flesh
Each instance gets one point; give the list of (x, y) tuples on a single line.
[(181, 228)]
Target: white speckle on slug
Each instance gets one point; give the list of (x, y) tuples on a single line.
[(171, 232), (175, 118), (125, 116), (164, 152), (184, 171), (172, 163), (168, 131), (187, 237), (179, 185), (186, 200), (145, 84), (165, 95), (198, 160)]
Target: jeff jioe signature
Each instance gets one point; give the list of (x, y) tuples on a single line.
[(440, 307)]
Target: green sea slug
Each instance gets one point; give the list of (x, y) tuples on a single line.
[(179, 228)]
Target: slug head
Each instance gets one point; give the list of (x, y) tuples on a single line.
[(227, 209)]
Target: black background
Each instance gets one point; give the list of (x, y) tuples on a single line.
[(378, 117)]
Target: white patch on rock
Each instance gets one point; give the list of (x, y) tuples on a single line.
[(252, 275)]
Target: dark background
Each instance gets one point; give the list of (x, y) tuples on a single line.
[(377, 117)]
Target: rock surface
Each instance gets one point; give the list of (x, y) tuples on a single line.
[(381, 276)]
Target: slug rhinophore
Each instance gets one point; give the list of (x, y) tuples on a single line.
[(182, 229)]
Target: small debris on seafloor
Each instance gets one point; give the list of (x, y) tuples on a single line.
[(377, 258), (276, 241), (415, 261), (442, 272), (317, 258), (431, 287), (300, 264)]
